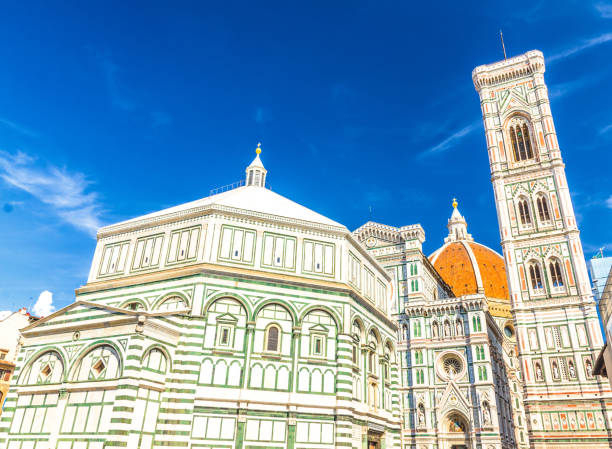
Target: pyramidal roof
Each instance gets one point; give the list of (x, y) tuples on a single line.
[(253, 197)]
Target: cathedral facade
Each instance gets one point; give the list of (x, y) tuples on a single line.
[(245, 320)]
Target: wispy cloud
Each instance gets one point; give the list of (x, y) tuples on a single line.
[(562, 89), (609, 202), (605, 129), (18, 128), (65, 192), (583, 45), (44, 305), (121, 96), (261, 115), (116, 91), (604, 9), (451, 140)]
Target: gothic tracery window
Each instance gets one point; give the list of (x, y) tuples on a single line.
[(520, 140), (524, 214), (535, 276), (543, 211), (555, 273)]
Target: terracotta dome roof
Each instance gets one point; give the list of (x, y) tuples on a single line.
[(469, 267)]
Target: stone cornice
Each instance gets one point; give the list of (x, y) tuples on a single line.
[(245, 273), (462, 303), (509, 69), (201, 211)]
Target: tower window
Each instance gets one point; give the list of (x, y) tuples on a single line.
[(555, 273), (535, 276), (543, 212), (521, 142), (524, 212)]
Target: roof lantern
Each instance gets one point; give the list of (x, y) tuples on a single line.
[(256, 173)]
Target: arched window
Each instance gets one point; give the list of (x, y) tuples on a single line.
[(418, 357), (372, 362), (134, 305), (173, 303), (524, 214), (48, 368), (543, 212), (555, 273), (535, 276), (520, 140), (272, 339), (420, 377), (417, 328)]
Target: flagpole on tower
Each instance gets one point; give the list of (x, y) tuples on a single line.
[(501, 35)]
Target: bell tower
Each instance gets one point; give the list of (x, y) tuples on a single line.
[(555, 317)]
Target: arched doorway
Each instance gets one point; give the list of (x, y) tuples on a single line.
[(456, 432)]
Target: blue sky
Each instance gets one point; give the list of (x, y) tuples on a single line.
[(109, 110)]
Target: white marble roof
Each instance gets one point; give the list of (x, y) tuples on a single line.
[(247, 198)]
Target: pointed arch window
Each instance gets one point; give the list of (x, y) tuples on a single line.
[(418, 357), (417, 328), (520, 140), (535, 276), (543, 211), (524, 214), (555, 273)]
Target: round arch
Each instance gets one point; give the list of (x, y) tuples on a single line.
[(322, 308), (279, 302), (357, 319), (57, 350), (234, 296), (389, 345), (373, 329), (91, 347), (158, 347), (168, 295), (134, 300)]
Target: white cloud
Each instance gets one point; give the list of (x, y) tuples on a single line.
[(584, 45), (561, 89), (605, 129), (115, 90), (4, 314), (44, 305), (609, 202), (64, 191), (604, 9), (451, 140), (16, 127)]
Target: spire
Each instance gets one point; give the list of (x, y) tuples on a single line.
[(457, 226), (256, 173)]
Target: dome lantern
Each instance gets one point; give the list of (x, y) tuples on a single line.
[(457, 226), (256, 172)]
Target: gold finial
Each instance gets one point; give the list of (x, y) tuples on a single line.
[(258, 149), (455, 203)]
